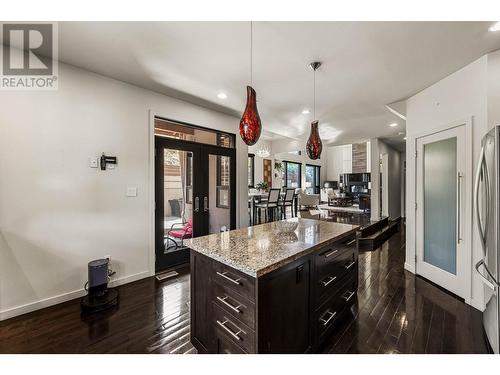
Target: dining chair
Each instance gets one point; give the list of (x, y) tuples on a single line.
[(270, 206), (287, 202)]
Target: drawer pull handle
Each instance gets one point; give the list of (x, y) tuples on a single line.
[(234, 308), (234, 334), (351, 242), (328, 280), (326, 321), (347, 266), (223, 274), (328, 255), (349, 296)]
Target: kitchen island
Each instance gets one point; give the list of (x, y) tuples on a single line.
[(266, 289)]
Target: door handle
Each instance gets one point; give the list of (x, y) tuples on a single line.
[(491, 284), (459, 207), (476, 199), (205, 204), (196, 204)]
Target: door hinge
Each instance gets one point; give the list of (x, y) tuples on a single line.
[(415, 258), (415, 206), (416, 153)]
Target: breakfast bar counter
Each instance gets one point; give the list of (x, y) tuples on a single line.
[(278, 287)]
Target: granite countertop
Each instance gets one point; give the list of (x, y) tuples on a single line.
[(263, 248)]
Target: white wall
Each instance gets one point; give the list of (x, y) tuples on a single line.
[(56, 213), (460, 96), (391, 188), (259, 162)]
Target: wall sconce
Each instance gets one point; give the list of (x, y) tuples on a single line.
[(107, 160)]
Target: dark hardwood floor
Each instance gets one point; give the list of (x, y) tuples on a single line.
[(395, 313)]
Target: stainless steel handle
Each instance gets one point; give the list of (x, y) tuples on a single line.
[(196, 204), (331, 253), (234, 334), (234, 308), (224, 275), (492, 284), (331, 279), (349, 296), (459, 207), (350, 265), (205, 204), (351, 242), (326, 321), (476, 199)]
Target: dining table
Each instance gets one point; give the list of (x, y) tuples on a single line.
[(261, 196)]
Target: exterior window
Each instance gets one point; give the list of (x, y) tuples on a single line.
[(293, 173), (251, 170), (312, 179)]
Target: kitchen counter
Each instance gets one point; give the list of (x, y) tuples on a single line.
[(266, 290), (263, 248)]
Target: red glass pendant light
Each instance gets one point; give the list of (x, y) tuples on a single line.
[(314, 145), (250, 124)]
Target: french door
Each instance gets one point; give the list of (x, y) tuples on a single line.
[(195, 195), (441, 191)]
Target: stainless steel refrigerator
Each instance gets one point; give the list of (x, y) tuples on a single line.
[(487, 210)]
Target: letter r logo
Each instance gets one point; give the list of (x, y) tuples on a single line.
[(27, 49)]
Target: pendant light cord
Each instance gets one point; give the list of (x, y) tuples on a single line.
[(314, 95), (251, 53)]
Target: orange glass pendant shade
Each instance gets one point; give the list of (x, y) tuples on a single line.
[(314, 145), (250, 124)]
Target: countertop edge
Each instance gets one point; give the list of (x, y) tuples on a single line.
[(266, 270)]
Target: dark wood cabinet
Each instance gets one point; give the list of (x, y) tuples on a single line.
[(289, 310), (284, 309)]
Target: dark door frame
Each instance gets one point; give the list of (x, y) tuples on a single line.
[(200, 153)]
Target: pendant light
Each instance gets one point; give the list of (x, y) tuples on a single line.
[(314, 145), (250, 124)]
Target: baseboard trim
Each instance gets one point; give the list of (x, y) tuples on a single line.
[(51, 301), (410, 267)]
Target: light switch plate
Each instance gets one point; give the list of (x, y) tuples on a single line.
[(131, 191), (93, 163)]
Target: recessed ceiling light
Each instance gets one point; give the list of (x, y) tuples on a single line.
[(306, 112), (394, 124), (404, 138), (495, 27), (401, 133), (222, 95)]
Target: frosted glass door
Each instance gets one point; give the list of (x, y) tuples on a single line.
[(443, 202), (440, 204)]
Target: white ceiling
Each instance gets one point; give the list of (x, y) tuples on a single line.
[(366, 65)]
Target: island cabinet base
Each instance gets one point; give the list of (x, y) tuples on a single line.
[(291, 309)]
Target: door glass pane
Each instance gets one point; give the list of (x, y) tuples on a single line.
[(219, 194), (178, 198), (440, 204), (171, 129)]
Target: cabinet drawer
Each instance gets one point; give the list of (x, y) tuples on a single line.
[(226, 346), (332, 276), (234, 304), (234, 330), (235, 280), (328, 314), (330, 253)]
